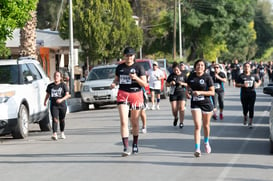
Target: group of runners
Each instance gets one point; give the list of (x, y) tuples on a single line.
[(204, 86)]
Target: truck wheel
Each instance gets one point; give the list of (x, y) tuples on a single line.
[(21, 129), (85, 106), (46, 122)]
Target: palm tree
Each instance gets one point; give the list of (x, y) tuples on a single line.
[(28, 37)]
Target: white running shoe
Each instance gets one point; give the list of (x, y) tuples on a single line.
[(54, 136), (62, 136), (197, 153), (153, 107), (157, 107), (144, 130)]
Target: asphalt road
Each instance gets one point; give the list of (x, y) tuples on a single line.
[(92, 150)]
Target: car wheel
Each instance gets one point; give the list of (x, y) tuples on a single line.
[(46, 122), (96, 106), (21, 128), (271, 146), (85, 106)]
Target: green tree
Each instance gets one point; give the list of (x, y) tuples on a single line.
[(103, 28), (225, 21), (13, 14), (264, 27)]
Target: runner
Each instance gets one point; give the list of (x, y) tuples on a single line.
[(154, 77), (177, 82), (248, 82), (58, 93), (131, 77), (219, 79), (200, 89)]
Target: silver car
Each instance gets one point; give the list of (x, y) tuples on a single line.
[(269, 90), (96, 88)]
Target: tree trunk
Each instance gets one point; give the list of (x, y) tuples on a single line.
[(28, 37)]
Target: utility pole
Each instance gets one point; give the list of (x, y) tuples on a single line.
[(71, 46), (174, 31), (180, 31)]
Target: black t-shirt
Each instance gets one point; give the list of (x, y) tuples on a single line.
[(250, 79), (125, 82), (57, 91), (235, 69), (178, 78), (218, 84), (201, 83)]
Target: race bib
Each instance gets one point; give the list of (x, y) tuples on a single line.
[(249, 83), (198, 98), (217, 86), (125, 79)]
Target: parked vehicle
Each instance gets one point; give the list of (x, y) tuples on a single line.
[(269, 90), (96, 88), (23, 84)]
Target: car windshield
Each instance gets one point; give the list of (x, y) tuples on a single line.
[(102, 73), (9, 74), (146, 65)]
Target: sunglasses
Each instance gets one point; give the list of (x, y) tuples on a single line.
[(216, 67), (129, 55)]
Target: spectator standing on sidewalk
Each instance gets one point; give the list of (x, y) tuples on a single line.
[(177, 81), (248, 82), (200, 89), (131, 78), (155, 75), (219, 79), (57, 92)]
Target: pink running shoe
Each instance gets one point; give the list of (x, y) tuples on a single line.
[(221, 116), (207, 147)]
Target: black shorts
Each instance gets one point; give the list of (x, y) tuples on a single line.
[(180, 96), (203, 107), (156, 91)]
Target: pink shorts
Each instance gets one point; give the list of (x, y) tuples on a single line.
[(133, 99)]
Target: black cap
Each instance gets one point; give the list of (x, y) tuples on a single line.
[(129, 51)]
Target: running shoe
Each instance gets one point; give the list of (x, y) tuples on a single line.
[(62, 136), (250, 125), (207, 147), (175, 121), (221, 116), (214, 117), (144, 130), (135, 149), (181, 125), (125, 152), (153, 107), (157, 107), (54, 136), (197, 153)]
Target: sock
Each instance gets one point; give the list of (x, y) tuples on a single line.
[(125, 142), (135, 139), (197, 146), (206, 140)]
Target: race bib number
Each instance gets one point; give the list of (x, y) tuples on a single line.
[(249, 83), (216, 85), (125, 79), (198, 98)]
